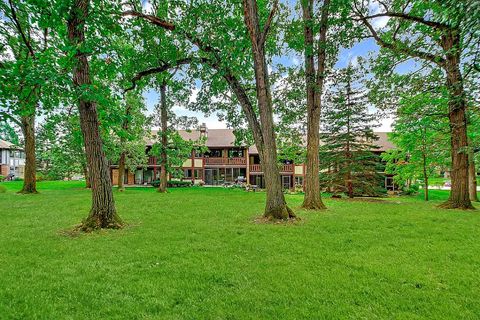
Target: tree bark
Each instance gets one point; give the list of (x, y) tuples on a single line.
[(459, 194), (102, 213), (276, 206), (164, 124), (29, 177), (472, 176), (314, 88)]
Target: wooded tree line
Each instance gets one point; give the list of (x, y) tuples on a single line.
[(82, 66)]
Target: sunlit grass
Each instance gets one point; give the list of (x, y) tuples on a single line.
[(197, 254)]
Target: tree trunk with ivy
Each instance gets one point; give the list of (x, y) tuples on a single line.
[(102, 213)]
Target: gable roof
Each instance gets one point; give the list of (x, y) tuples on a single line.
[(383, 141), (217, 138), (8, 145)]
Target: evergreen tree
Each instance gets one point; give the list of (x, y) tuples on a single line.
[(348, 139)]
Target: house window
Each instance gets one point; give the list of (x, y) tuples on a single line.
[(187, 173), (198, 154), (198, 173), (214, 153), (299, 181), (286, 182), (235, 153)]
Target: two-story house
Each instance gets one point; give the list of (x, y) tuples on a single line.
[(224, 162), (12, 160)]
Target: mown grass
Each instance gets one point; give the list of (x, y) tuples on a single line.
[(197, 254)]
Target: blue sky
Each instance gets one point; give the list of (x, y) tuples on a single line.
[(360, 49)]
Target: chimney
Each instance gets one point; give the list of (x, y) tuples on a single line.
[(203, 130)]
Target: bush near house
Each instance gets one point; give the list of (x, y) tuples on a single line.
[(2, 178), (172, 183)]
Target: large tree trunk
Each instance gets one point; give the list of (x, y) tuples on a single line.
[(121, 172), (472, 176), (276, 207), (459, 195), (314, 88), (29, 178), (102, 213), (163, 155)]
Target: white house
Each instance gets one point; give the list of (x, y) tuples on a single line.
[(12, 160)]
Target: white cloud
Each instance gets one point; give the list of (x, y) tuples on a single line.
[(385, 125), (354, 61), (380, 22), (147, 7)]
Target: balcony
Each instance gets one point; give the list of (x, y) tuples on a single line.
[(283, 168), (152, 160), (225, 161)]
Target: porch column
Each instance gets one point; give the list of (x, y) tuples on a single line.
[(247, 156), (154, 168), (193, 166)]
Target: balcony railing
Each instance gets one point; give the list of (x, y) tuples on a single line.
[(222, 161), (283, 168), (152, 160)]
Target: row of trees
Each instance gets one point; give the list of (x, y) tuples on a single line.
[(95, 54)]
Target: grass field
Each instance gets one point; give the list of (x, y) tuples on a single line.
[(197, 254)]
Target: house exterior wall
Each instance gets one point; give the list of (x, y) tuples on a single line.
[(222, 164), (12, 162)]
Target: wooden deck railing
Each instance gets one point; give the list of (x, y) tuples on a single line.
[(152, 160), (283, 168), (222, 161)]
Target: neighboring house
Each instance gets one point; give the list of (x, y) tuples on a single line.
[(12, 160), (225, 162)]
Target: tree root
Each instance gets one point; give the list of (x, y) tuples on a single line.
[(282, 213), (313, 205), (463, 205), (97, 222), (23, 191)]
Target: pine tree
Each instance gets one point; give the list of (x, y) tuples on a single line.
[(347, 162)]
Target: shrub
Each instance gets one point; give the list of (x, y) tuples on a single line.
[(17, 179), (2, 178), (3, 189), (172, 183), (412, 190)]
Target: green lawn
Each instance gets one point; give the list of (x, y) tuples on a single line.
[(196, 254)]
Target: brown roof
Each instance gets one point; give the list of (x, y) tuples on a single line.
[(225, 138), (215, 137), (8, 145), (383, 141)]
